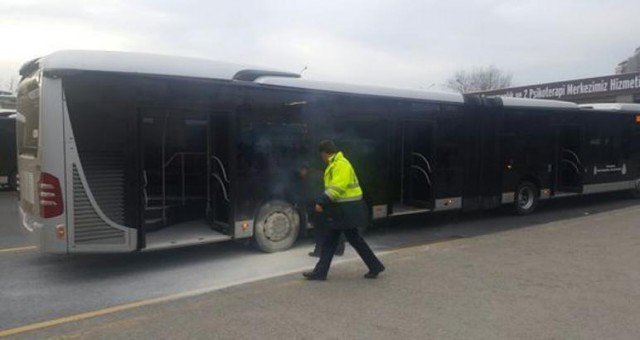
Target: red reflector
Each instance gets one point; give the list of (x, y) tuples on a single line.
[(50, 196)]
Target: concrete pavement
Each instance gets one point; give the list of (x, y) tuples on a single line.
[(569, 279)]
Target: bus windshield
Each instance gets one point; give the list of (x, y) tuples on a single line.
[(28, 107)]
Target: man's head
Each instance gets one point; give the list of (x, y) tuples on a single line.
[(327, 149)]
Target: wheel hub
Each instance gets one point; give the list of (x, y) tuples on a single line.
[(526, 198), (277, 227)]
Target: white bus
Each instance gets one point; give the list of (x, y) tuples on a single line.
[(122, 152)]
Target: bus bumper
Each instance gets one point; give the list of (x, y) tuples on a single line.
[(43, 235)]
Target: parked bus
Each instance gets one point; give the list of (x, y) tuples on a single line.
[(8, 164), (7, 101), (122, 152)]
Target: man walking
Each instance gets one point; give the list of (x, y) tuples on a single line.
[(342, 202), (312, 186)]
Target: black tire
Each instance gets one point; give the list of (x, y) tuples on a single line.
[(276, 227), (526, 198)]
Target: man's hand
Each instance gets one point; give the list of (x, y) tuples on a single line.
[(319, 208)]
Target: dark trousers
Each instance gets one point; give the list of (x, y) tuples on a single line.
[(322, 227), (357, 242)]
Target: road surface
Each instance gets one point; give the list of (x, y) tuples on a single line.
[(37, 288)]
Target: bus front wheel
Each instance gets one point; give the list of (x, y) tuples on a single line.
[(526, 198), (276, 227)]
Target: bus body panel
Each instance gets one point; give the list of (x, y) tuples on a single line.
[(57, 156), (89, 229), (51, 157), (48, 157), (538, 142), (528, 151), (611, 152)]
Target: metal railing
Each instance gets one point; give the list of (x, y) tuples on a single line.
[(165, 165), (575, 163), (424, 159), (220, 179), (181, 156), (424, 172)]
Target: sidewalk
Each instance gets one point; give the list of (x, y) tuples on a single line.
[(574, 279)]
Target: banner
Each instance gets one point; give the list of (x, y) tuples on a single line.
[(618, 84)]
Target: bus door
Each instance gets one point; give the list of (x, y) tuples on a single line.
[(569, 169), (174, 166), (417, 164)]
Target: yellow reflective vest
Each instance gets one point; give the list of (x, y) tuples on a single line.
[(340, 180)]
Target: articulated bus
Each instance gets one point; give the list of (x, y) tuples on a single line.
[(122, 152)]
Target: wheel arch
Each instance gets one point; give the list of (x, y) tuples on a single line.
[(533, 179)]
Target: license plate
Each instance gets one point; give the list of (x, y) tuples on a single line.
[(4, 180)]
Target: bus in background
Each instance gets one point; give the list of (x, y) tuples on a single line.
[(8, 164), (7, 101), (122, 152)]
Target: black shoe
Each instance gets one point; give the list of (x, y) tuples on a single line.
[(339, 253), (313, 276), (373, 274), (314, 254)]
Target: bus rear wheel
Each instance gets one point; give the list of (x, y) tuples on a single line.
[(276, 227), (526, 198)]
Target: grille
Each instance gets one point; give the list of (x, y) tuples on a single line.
[(89, 228), (105, 175)]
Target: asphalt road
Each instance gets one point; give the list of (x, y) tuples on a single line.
[(11, 234), (570, 279), (37, 288)]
